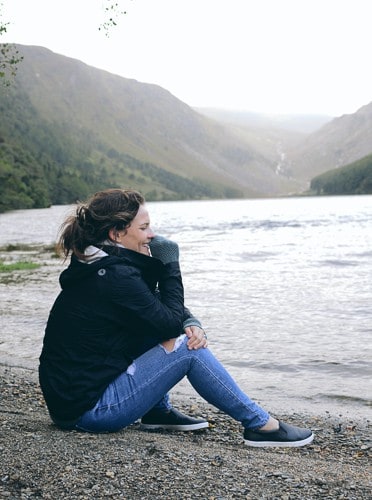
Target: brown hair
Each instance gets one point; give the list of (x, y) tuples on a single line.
[(92, 221)]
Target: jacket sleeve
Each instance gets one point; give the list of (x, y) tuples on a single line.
[(190, 320), (164, 312)]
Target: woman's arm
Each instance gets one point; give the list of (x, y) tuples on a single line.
[(161, 315)]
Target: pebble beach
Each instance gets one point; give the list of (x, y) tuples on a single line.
[(40, 461)]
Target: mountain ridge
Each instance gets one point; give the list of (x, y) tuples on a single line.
[(341, 141), (144, 121), (85, 128)]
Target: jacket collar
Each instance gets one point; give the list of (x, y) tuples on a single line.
[(111, 255)]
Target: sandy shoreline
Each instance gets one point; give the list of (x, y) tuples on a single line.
[(40, 461)]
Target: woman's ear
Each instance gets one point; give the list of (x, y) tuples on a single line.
[(113, 234)]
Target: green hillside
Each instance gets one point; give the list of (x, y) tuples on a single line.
[(68, 129), (355, 178), (45, 161), (342, 141)]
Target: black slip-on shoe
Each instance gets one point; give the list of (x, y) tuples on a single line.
[(172, 420), (287, 435)]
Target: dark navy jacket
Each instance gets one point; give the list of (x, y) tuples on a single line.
[(107, 314)]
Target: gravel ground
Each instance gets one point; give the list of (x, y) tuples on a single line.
[(40, 461)]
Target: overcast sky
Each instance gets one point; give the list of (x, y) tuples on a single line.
[(274, 56)]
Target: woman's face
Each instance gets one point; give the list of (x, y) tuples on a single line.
[(139, 234)]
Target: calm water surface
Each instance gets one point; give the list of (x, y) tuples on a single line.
[(282, 286)]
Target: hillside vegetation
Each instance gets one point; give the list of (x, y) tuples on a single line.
[(339, 142), (350, 179), (44, 163), (49, 156), (68, 129)]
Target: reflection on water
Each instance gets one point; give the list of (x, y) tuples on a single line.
[(282, 286)]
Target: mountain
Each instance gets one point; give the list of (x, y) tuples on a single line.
[(340, 142), (68, 129), (350, 179), (272, 135), (85, 128), (307, 145)]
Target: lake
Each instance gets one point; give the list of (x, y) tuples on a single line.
[(282, 287)]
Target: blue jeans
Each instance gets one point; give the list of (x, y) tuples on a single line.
[(136, 391)]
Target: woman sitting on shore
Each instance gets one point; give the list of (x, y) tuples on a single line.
[(119, 336)]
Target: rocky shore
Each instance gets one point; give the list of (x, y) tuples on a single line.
[(40, 461)]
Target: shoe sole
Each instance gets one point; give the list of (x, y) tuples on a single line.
[(189, 427), (279, 444)]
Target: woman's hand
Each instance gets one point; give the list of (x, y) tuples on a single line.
[(164, 250), (197, 337)]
